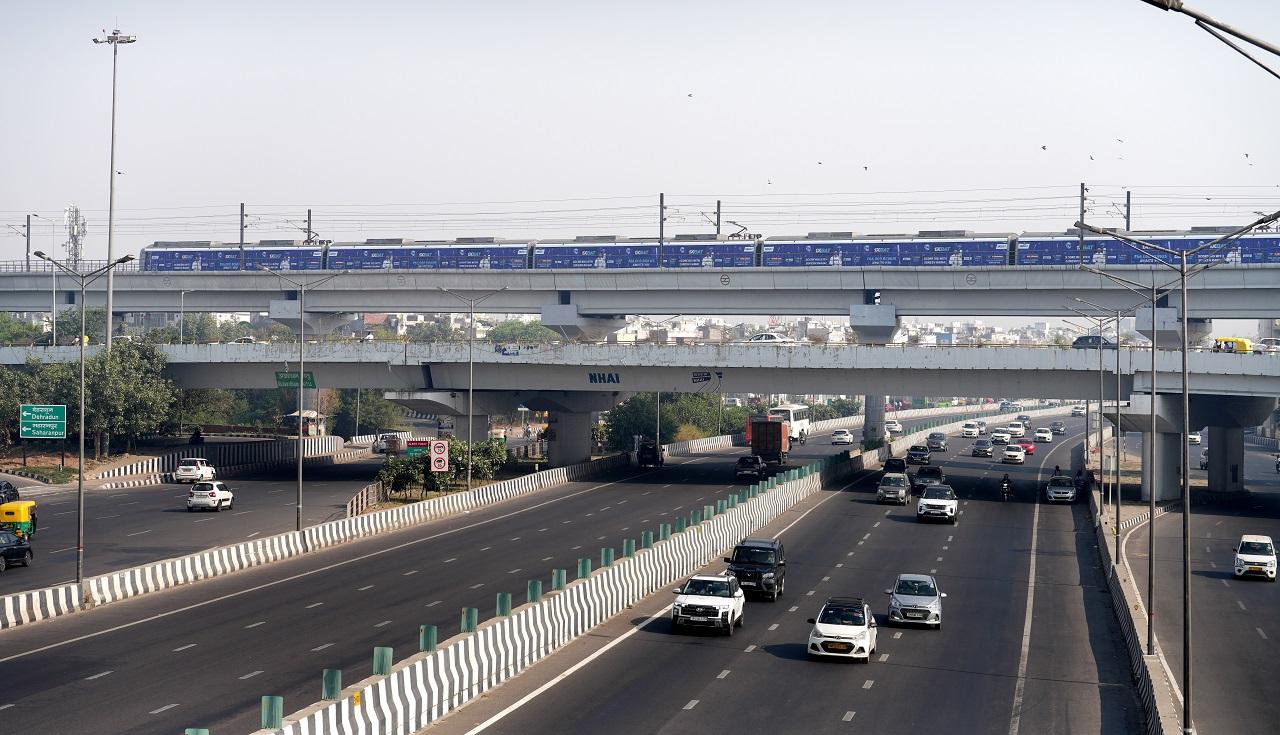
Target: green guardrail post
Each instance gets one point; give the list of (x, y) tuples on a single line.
[(721, 506), (732, 501), (469, 619), (695, 517), (504, 604), (428, 636), (382, 660), (646, 539), (584, 568), (628, 547), (196, 731), (534, 593), (664, 531), (559, 578), (679, 524), (331, 684), (606, 557), (272, 712), (708, 511)]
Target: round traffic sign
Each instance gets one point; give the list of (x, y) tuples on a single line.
[(440, 464), (440, 448)]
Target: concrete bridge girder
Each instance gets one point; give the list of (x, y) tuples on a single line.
[(318, 323)]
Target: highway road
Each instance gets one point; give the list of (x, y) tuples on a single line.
[(992, 668), (202, 655), (1235, 623), (131, 526)]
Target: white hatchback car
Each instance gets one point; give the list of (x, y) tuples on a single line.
[(210, 496), (1044, 435), (1016, 429), (893, 426), (844, 628), (1014, 454), (1256, 555), (842, 436), (194, 469)]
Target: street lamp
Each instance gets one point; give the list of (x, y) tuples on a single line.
[(53, 312), (471, 367), (1101, 395), (302, 358), (84, 279), (1179, 264), (182, 312), (115, 39)]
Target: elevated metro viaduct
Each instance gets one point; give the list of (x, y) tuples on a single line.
[(1230, 392)]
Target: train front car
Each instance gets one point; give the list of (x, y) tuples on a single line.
[(284, 255), (595, 252), (192, 255)]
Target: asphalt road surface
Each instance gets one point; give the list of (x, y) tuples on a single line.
[(990, 669), (203, 655), (1235, 624), (132, 526)]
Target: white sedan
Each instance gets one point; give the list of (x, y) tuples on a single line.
[(1014, 454), (842, 436), (194, 469), (210, 496), (1044, 435), (1000, 436), (1194, 438)]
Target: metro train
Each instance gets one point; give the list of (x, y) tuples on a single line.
[(926, 249)]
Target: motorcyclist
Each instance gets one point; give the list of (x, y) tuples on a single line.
[(1004, 486)]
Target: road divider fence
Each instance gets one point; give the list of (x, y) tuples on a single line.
[(231, 454)]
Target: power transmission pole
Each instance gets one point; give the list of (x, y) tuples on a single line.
[(308, 226), (1080, 230), (1127, 202), (662, 217), (28, 242), (717, 218), (242, 224)]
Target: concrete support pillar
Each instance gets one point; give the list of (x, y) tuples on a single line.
[(568, 438), (288, 313), (1226, 459), (564, 318), (874, 324), (1164, 475), (873, 425), (479, 430)]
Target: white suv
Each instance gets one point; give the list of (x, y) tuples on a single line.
[(1044, 435), (1256, 555), (842, 436), (708, 601), (1016, 429), (844, 628), (194, 469), (970, 429), (938, 501), (210, 496)]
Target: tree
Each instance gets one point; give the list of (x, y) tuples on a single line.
[(400, 473), (516, 330), (15, 330), (376, 414), (16, 388), (432, 332)]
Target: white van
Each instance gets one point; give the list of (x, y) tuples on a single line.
[(1256, 555)]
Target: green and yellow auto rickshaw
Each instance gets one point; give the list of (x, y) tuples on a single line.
[(19, 517)]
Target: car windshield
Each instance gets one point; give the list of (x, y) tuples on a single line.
[(919, 448), (937, 435), (747, 555), (842, 616), (1061, 482), (894, 463), (894, 481), (929, 472), (916, 587), (204, 487), (982, 443), (1259, 548), (748, 461), (707, 588), (935, 493)]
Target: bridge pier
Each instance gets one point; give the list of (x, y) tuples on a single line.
[(873, 421), (568, 438), (564, 318), (1226, 459), (874, 324), (1166, 326), (287, 313)]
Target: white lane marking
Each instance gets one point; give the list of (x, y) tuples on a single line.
[(949, 538), (1219, 523), (945, 548), (366, 587), (546, 558), (601, 538), (898, 634), (1020, 688), (848, 716), (59, 551), (826, 579), (1224, 583), (722, 674), (204, 520), (692, 703), (933, 571), (861, 543), (809, 593), (486, 548), (874, 525), (254, 625), (666, 486), (162, 709), (139, 533), (433, 604), (1212, 564), (477, 586), (63, 513), (841, 564), (250, 675), (411, 571), (884, 657), (868, 683), (322, 646), (1241, 604), (255, 533), (575, 548), (98, 676), (773, 627), (866, 536), (383, 624), (749, 648), (5, 706), (793, 608), (517, 538), (1264, 635), (939, 559), (849, 554), (541, 530), (513, 571), (1207, 550), (183, 648), (314, 604), (241, 512)]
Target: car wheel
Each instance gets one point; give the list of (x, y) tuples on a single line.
[(729, 629), (742, 618), (190, 509), (26, 560), (3, 564), (218, 508)]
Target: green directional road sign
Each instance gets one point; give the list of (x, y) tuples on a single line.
[(416, 447), (42, 422), (290, 380)]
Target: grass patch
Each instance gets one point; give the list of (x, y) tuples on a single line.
[(52, 475)]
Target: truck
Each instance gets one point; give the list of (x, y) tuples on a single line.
[(770, 438), (649, 455)]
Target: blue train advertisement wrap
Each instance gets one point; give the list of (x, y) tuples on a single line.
[(360, 258), (483, 257), (283, 259), (803, 254), (191, 259), (600, 256), (709, 255)]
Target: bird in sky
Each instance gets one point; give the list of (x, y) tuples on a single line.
[(1246, 155), (864, 168), (691, 94), (819, 163), (1090, 158), (1044, 147), (1118, 140), (769, 181)]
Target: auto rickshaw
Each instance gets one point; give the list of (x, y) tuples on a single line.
[(1237, 345), (19, 517)]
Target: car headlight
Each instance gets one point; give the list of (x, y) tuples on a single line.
[(767, 575), (1271, 564), (860, 636), (675, 609), (894, 604)]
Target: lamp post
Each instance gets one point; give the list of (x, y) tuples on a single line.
[(84, 279), (302, 359), (471, 368), (115, 39), (1101, 398), (1179, 263), (182, 313), (53, 310)]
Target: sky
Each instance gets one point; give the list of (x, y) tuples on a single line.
[(515, 119)]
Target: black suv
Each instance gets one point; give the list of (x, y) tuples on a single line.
[(895, 464), (752, 465), (8, 493), (1093, 342), (649, 456), (760, 564), (926, 476), (937, 442), (919, 454)]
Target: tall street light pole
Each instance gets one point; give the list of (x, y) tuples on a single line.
[(1179, 263), (84, 279), (302, 359), (53, 310), (471, 366), (182, 313), (115, 39), (1102, 473)]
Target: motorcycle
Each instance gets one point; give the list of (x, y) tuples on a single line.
[(1004, 491)]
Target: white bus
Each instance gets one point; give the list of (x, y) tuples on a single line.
[(797, 416)]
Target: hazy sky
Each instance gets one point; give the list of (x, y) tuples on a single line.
[(428, 119)]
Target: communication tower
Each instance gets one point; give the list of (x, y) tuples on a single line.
[(73, 220)]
